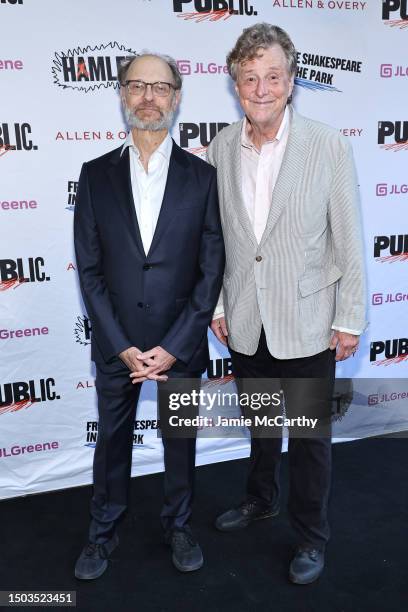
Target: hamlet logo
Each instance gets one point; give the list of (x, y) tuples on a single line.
[(140, 428), (195, 137), (389, 249), (317, 72), (16, 272), (387, 352), (395, 13), (83, 330), (90, 68), (15, 396), (393, 135), (16, 137), (213, 10), (72, 190)]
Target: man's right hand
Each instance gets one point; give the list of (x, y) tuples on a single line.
[(129, 358), (219, 329)]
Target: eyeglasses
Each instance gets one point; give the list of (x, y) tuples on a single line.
[(138, 88)]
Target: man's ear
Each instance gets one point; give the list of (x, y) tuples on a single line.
[(177, 98)]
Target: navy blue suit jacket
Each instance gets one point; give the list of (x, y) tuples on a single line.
[(166, 297)]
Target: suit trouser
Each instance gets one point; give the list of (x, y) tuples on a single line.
[(309, 458), (117, 401)]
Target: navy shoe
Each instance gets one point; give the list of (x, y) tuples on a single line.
[(248, 512), (307, 565), (93, 560), (187, 555)]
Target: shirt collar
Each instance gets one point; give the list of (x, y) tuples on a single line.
[(164, 149), (246, 141)]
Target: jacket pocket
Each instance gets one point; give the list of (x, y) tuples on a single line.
[(321, 279)]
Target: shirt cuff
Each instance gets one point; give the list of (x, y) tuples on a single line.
[(347, 331)]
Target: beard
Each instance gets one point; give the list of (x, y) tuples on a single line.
[(163, 123)]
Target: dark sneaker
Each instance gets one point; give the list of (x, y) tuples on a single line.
[(93, 560), (307, 565), (248, 512), (187, 555)]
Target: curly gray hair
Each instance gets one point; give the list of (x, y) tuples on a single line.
[(261, 36)]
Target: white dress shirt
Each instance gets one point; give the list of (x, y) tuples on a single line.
[(260, 170), (148, 187)]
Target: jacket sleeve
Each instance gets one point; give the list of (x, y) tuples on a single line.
[(106, 328), (345, 222), (189, 329)]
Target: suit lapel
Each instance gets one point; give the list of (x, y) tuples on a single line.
[(119, 174), (235, 180), (291, 170), (177, 178)]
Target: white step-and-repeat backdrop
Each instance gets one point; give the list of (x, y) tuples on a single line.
[(60, 107)]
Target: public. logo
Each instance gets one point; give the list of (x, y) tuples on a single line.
[(212, 10), (11, 1), (387, 352), (16, 272), (90, 68), (317, 72), (393, 135), (389, 249), (395, 13), (83, 330), (22, 394), (219, 368), (16, 137), (195, 137)]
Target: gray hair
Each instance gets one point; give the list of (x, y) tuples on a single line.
[(172, 64), (261, 36)]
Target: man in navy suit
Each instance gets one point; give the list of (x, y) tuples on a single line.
[(150, 257)]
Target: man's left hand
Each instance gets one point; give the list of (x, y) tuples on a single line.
[(158, 361), (344, 343)]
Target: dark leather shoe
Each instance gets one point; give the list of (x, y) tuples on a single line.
[(307, 565), (187, 555), (248, 512), (93, 560)]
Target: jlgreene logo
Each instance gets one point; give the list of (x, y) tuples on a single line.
[(212, 10), (389, 249), (377, 299), (15, 272), (394, 351), (195, 137), (83, 330), (22, 394), (395, 13), (393, 135), (90, 68)]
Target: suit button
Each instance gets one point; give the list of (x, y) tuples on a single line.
[(146, 267), (140, 304), (258, 258), (147, 305)]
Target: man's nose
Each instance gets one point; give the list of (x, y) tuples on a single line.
[(148, 94), (261, 88)]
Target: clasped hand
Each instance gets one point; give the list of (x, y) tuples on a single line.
[(149, 365)]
